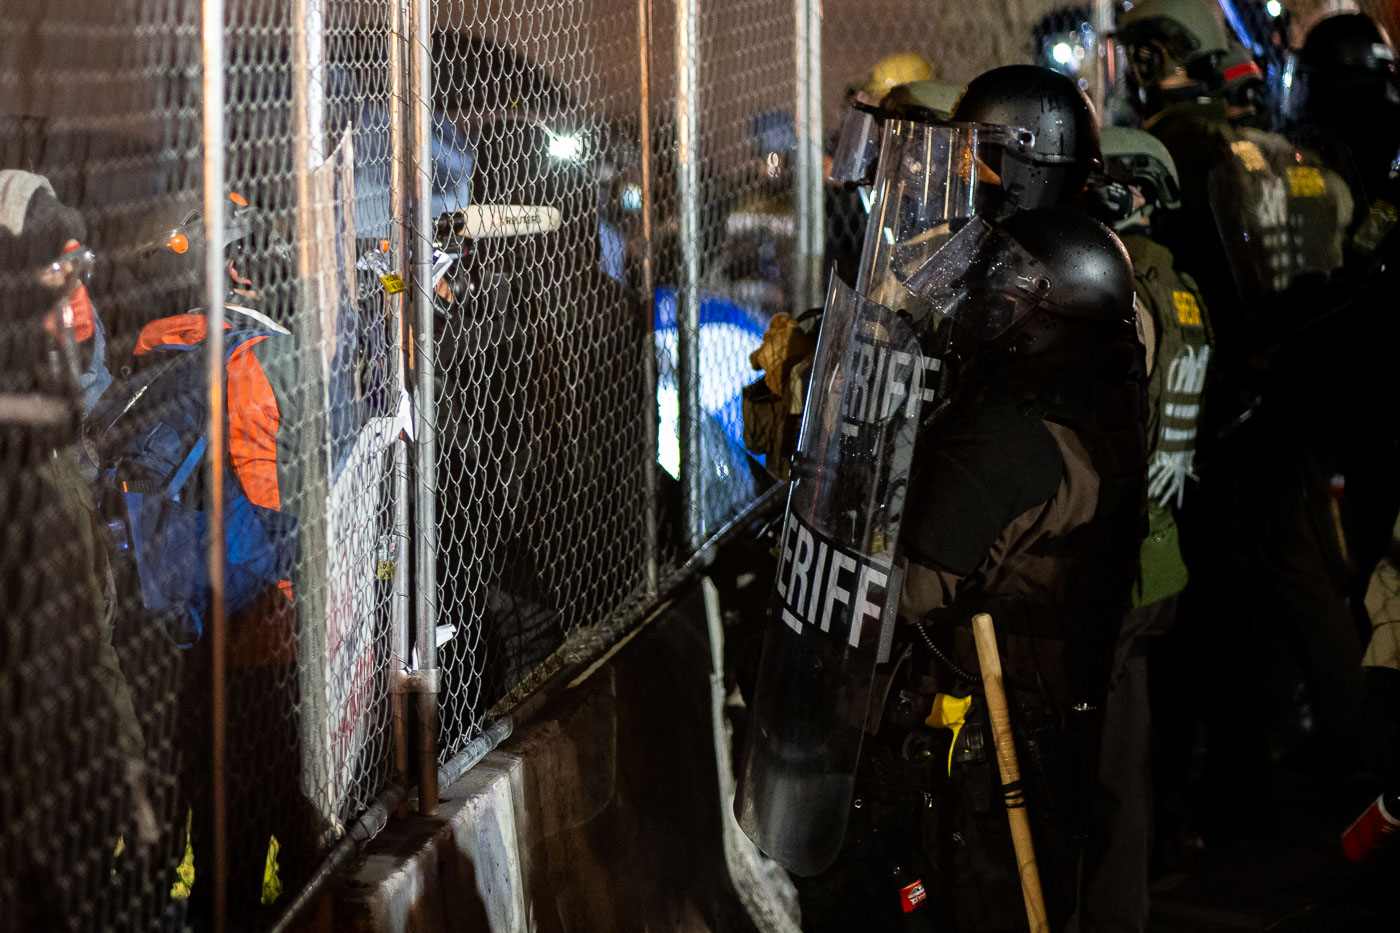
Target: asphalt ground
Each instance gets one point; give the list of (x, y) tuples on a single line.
[(1293, 880)]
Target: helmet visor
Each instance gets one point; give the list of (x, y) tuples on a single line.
[(931, 180), (858, 147)]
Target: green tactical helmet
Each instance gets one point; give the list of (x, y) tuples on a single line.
[(937, 97), (1139, 158), (1238, 68), (1189, 29)]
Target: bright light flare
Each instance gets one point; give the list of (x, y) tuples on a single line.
[(566, 147)]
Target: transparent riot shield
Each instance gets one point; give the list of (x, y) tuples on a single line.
[(1281, 213), (837, 586)]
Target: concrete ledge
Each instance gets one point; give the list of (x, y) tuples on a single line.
[(604, 814)]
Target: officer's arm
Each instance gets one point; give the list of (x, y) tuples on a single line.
[(981, 476)]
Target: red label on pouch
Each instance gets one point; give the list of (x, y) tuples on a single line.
[(912, 896)]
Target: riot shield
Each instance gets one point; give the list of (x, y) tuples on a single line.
[(931, 180), (1282, 216), (837, 587)]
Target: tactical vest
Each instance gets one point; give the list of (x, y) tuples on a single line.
[(1174, 391), (1283, 217)]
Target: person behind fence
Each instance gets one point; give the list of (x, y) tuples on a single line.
[(1138, 183), (1261, 229), (981, 401), (73, 749), (537, 350), (150, 432)]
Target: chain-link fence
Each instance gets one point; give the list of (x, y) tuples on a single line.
[(560, 383), (188, 736), (433, 283), (91, 815), (540, 343)]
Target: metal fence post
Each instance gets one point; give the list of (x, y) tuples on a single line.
[(425, 446), (1104, 65), (399, 239), (308, 134), (688, 295), (809, 139), (653, 534), (214, 184), (802, 196)]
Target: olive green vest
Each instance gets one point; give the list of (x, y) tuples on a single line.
[(1182, 351)]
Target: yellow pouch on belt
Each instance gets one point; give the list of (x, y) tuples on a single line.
[(949, 712)]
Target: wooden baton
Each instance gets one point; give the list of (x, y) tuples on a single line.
[(1000, 716)]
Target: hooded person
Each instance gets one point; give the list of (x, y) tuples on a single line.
[(70, 701), (538, 349)]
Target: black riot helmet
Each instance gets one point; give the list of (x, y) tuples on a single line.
[(1087, 282), (1346, 61), (1052, 170), (1348, 41)]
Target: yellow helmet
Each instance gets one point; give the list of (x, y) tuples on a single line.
[(893, 70)]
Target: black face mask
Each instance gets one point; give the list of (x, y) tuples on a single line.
[(1108, 200)]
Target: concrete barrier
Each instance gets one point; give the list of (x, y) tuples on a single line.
[(604, 814)]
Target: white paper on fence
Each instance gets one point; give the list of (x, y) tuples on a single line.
[(332, 244), (403, 418), (482, 221), (357, 606)]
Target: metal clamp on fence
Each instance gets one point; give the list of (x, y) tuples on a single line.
[(424, 681)]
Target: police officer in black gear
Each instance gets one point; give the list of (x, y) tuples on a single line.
[(1021, 492), (1261, 229), (1345, 101), (1000, 522)]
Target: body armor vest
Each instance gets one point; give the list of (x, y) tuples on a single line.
[(1178, 371)]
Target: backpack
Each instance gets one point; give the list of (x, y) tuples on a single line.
[(149, 436)]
